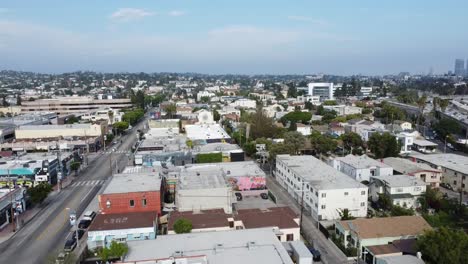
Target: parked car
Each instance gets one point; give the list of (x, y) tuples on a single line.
[(84, 224), (80, 233), (315, 254), (238, 196), (89, 215), (446, 186), (264, 196), (70, 245)]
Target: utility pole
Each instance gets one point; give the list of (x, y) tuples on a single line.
[(59, 172), (302, 209), (10, 182)]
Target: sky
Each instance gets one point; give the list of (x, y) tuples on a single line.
[(341, 37)]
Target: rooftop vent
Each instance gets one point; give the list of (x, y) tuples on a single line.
[(251, 245), (219, 248), (178, 254)]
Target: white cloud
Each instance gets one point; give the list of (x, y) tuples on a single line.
[(307, 19), (130, 14), (176, 13)]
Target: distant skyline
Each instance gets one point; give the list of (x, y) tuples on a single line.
[(239, 37)]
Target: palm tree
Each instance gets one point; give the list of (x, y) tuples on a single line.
[(443, 104), (421, 104), (435, 102), (111, 116)]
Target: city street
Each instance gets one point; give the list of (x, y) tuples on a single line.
[(43, 237), (330, 253)]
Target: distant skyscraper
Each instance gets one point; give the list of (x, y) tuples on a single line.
[(459, 67)]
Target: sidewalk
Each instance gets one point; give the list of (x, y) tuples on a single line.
[(7, 232)]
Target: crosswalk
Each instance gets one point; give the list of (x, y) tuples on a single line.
[(87, 183)]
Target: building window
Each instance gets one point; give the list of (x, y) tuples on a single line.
[(132, 203), (324, 195), (289, 237), (363, 192), (363, 204), (346, 194), (323, 207), (417, 189), (143, 202), (399, 190), (454, 182)]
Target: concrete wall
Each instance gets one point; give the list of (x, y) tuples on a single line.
[(120, 202), (204, 199), (62, 131)]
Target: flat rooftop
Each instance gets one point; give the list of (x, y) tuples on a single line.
[(362, 162), (123, 221), (217, 147), (424, 143), (53, 127), (405, 166), (214, 131), (230, 169), (447, 160), (281, 217), (318, 173), (249, 246), (130, 182), (400, 180), (201, 177), (200, 220)]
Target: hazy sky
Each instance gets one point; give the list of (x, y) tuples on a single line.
[(236, 36)]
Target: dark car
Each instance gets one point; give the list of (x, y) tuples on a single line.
[(84, 224), (80, 233), (315, 254), (264, 196), (238, 196), (70, 245), (446, 186)]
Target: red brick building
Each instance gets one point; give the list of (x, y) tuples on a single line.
[(129, 193)]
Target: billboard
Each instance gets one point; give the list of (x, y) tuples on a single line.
[(247, 183)]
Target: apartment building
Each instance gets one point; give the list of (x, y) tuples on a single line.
[(326, 191), (361, 168), (403, 190)]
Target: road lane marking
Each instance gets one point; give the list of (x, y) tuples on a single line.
[(86, 195)]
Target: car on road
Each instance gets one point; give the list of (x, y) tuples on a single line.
[(264, 196), (315, 254), (89, 215), (238, 196), (84, 224), (80, 234), (70, 245), (446, 186)]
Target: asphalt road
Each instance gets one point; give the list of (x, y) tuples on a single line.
[(43, 237)]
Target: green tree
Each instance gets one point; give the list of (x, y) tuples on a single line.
[(308, 105), (121, 126), (171, 110), (384, 201), (209, 158), (383, 145), (110, 114), (351, 141), (279, 148), (322, 144), (297, 117), (292, 126), (39, 193), (262, 126), (182, 226), (421, 102), (18, 100), (216, 115), (295, 140), (400, 211), (74, 166), (443, 104), (205, 99), (346, 215), (292, 90), (71, 120), (329, 102), (443, 246), (118, 249)]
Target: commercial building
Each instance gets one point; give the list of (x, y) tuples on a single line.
[(132, 192), (59, 131), (73, 105), (109, 115), (12, 203), (361, 168), (325, 91), (250, 246), (229, 152), (8, 125), (454, 168), (199, 189), (122, 227), (459, 67), (421, 171), (207, 133), (403, 190), (363, 232), (202, 221), (326, 191)]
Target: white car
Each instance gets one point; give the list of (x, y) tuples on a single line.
[(89, 215)]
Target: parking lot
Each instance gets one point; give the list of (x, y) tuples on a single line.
[(255, 201)]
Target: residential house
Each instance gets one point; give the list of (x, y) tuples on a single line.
[(421, 171), (363, 232), (403, 190), (343, 110), (324, 191), (303, 129), (424, 146), (361, 168)]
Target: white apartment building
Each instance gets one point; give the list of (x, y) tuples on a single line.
[(421, 171), (361, 168), (326, 191), (74, 104), (403, 190), (406, 140), (315, 100), (342, 110), (244, 103), (325, 91), (304, 129), (204, 94), (365, 91)]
